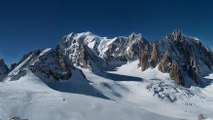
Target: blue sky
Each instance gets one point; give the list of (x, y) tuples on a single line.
[(26, 25)]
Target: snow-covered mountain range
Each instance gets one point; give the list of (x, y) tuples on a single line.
[(88, 77), (185, 58)]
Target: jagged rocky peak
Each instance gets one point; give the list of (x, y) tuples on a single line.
[(180, 56), (135, 36), (175, 35), (3, 67), (126, 48), (78, 37), (86, 48)]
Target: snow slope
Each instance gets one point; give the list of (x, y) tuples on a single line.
[(123, 94), (30, 98), (154, 91)]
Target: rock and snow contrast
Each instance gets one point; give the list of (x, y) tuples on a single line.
[(3, 69), (88, 77)]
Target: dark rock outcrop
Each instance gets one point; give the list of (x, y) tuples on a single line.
[(17, 118), (49, 62), (14, 65), (52, 64), (175, 73), (201, 117), (3, 67)]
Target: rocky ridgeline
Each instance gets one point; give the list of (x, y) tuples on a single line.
[(51, 63), (185, 58), (90, 51), (181, 56), (48, 62)]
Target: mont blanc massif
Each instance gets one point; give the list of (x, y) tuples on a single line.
[(88, 77)]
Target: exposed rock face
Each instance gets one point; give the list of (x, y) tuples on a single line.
[(125, 48), (49, 62), (83, 59), (178, 54), (166, 62), (3, 67), (52, 64), (175, 73), (149, 56), (144, 58), (154, 55)]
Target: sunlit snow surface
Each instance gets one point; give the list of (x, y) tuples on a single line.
[(124, 94), (154, 91)]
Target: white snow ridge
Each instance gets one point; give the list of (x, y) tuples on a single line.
[(88, 77)]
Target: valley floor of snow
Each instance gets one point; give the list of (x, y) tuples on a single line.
[(126, 93)]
